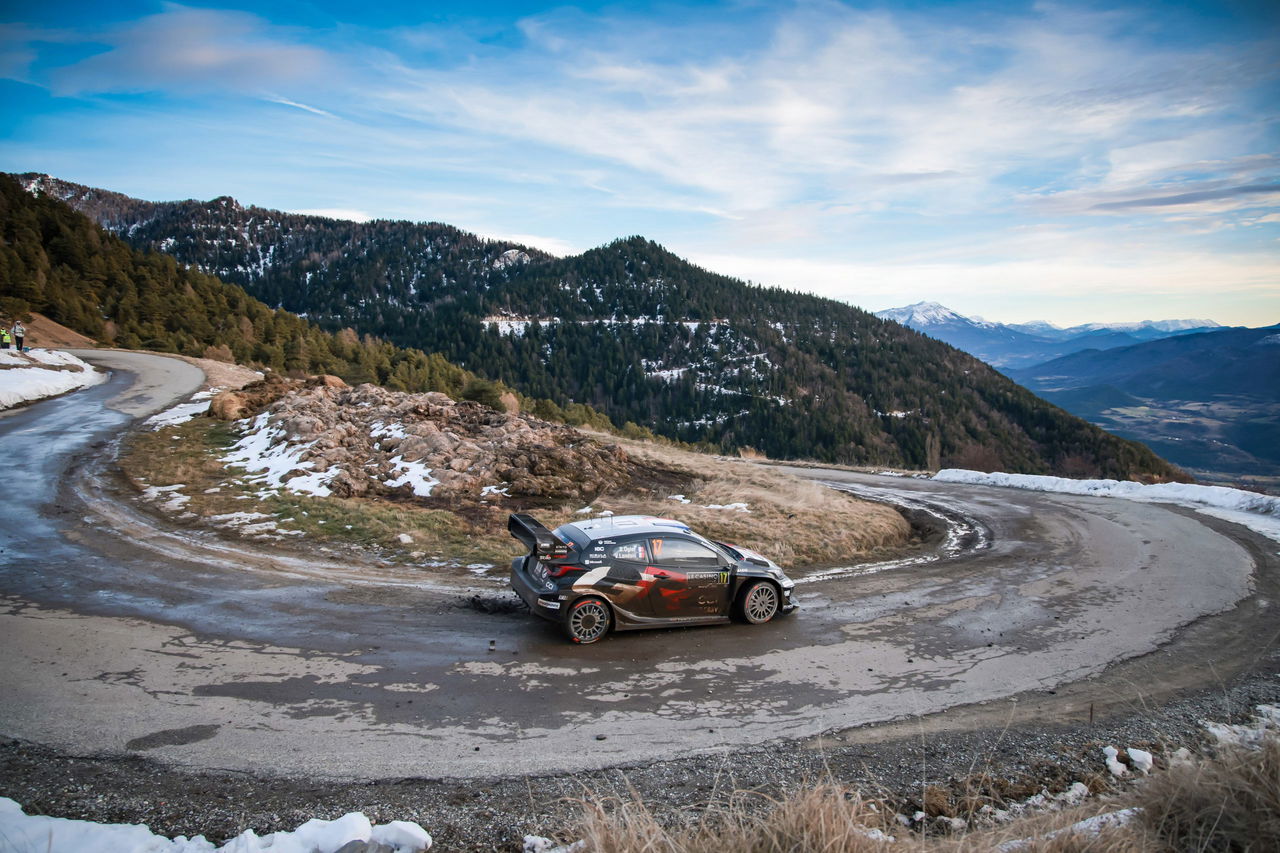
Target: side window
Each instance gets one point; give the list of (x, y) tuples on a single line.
[(633, 551), (682, 552)]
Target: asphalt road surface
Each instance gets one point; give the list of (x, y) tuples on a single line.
[(124, 636)]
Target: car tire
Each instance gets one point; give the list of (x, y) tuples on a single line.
[(588, 620), (758, 602)]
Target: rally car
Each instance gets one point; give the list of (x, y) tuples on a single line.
[(634, 571)]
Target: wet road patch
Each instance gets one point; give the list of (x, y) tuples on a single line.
[(172, 737)]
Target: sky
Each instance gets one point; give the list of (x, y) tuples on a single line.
[(1071, 162)]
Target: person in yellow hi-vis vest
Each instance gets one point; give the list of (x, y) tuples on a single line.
[(4, 337)]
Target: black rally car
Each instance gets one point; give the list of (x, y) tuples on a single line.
[(633, 571)]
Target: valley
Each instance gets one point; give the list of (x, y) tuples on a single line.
[(1204, 398)]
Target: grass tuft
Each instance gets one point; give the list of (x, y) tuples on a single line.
[(1229, 803), (825, 817)]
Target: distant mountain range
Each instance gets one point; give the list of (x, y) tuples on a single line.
[(636, 332), (1209, 401), (1020, 345)]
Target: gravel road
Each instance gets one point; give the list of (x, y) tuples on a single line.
[(168, 678)]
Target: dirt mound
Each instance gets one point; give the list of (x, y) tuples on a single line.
[(322, 437), (252, 398)]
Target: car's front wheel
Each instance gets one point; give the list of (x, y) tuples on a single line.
[(758, 603), (588, 620)]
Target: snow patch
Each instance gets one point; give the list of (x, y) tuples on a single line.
[(415, 475), (1250, 735), (183, 412), (1260, 513), (542, 844), (266, 453), (21, 831), (511, 257), (736, 507)]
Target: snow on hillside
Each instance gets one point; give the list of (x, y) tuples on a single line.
[(21, 832), (41, 373), (1260, 513)]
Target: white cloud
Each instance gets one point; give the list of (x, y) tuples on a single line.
[(288, 103), (185, 49), (1033, 275), (1050, 150), (856, 110)]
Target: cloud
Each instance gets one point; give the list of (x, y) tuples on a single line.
[(185, 49), (852, 109), (1021, 287), (288, 103), (811, 145), (1193, 197)]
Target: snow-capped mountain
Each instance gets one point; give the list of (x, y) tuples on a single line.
[(1021, 345), (994, 343), (923, 314)]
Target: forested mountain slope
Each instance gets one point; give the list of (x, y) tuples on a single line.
[(57, 261), (638, 333)]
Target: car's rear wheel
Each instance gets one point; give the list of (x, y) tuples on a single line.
[(758, 602), (588, 620)]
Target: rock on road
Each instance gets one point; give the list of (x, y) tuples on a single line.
[(120, 641)]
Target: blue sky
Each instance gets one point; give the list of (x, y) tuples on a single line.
[(1063, 161)]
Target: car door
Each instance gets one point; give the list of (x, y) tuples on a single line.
[(628, 577), (689, 578)]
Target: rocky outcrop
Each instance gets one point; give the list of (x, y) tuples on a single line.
[(323, 437)]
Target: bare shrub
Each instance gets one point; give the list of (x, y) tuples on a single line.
[(221, 352)]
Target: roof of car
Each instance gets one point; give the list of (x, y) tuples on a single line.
[(625, 525)]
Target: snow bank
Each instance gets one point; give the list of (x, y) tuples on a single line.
[(35, 375), (22, 833), (1257, 512)]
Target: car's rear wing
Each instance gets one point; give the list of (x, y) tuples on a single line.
[(540, 541)]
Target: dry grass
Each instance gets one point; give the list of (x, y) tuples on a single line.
[(793, 521), (1228, 802), (825, 817)]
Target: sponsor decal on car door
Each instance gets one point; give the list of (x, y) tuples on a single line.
[(622, 576), (689, 579)]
